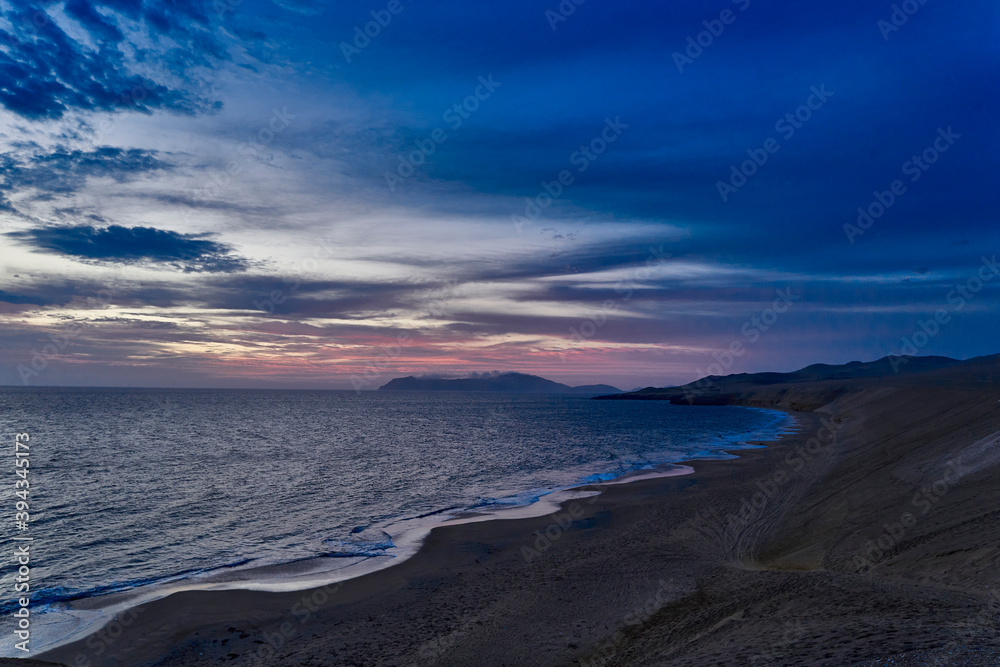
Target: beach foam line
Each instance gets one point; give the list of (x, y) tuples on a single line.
[(69, 622), (315, 572)]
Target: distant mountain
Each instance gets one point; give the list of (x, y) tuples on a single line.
[(720, 389), (513, 383), (855, 369)]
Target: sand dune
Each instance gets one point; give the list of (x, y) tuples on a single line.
[(868, 537)]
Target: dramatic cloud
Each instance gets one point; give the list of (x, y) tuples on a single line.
[(21, 299), (66, 171), (45, 72), (303, 192), (135, 245)]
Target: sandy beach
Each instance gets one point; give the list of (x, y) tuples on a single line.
[(357, 334), (867, 537)]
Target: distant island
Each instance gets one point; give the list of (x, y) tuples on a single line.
[(513, 383)]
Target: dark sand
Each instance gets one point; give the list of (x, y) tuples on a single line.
[(653, 572)]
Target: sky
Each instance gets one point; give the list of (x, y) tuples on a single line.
[(289, 193)]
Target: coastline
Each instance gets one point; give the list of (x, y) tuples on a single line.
[(550, 510), (84, 617), (657, 570)]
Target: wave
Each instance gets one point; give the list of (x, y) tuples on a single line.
[(368, 541), (363, 542), (43, 599)]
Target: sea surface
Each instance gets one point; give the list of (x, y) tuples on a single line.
[(134, 489)]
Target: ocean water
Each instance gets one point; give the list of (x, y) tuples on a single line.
[(135, 488)]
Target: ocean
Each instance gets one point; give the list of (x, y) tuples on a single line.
[(139, 492)]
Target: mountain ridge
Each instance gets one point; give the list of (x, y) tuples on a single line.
[(736, 388), (512, 383)]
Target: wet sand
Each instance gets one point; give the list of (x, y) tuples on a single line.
[(868, 537)]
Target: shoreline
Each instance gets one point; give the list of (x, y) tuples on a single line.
[(549, 505), (754, 559), (94, 613)]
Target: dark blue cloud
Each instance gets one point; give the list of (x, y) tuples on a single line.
[(686, 129), (65, 171), (8, 297), (85, 13), (44, 72), (135, 245)]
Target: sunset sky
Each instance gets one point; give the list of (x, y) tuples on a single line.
[(260, 194)]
